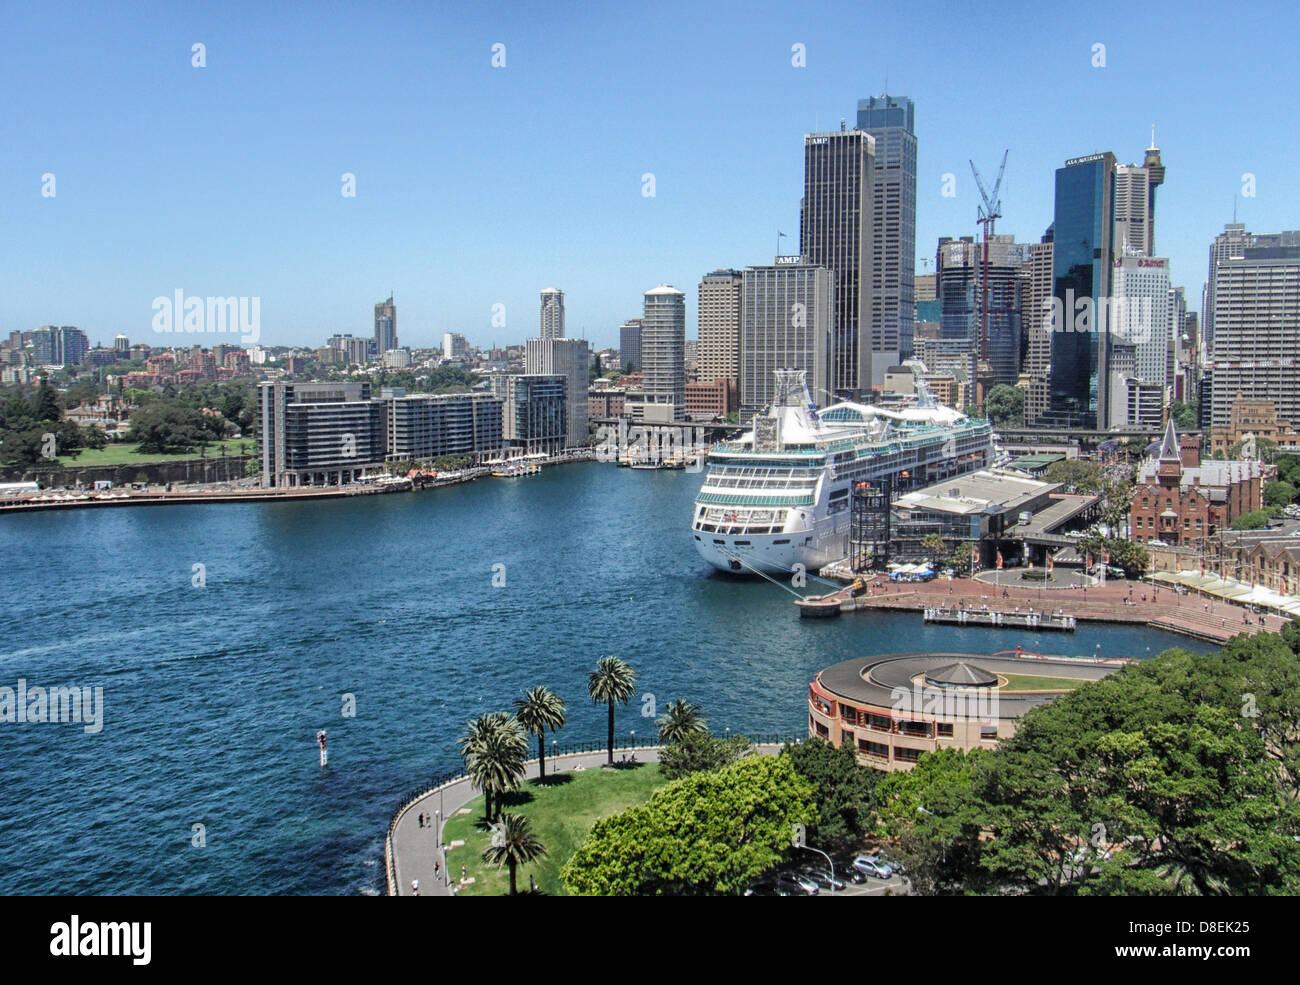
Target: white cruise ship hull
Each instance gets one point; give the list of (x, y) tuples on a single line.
[(815, 545)]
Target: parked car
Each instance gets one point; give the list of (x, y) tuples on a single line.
[(871, 867), (797, 884), (823, 878), (767, 887)]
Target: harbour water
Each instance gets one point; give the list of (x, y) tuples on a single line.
[(216, 678)]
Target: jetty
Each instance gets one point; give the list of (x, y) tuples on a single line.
[(1030, 619)]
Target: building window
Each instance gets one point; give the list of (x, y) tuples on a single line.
[(877, 749), (988, 732), (906, 755), (944, 729)]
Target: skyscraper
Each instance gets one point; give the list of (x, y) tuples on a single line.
[(836, 231), (1036, 320), (629, 343), (552, 314), (786, 319), (960, 265), (663, 353), (385, 326), (891, 121), (1232, 242), (719, 314), (1140, 314), (1257, 331), (1082, 254)]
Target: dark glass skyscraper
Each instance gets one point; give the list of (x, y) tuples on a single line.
[(891, 120), (1081, 263), (835, 231)]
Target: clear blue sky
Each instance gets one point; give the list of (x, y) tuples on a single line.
[(478, 186)]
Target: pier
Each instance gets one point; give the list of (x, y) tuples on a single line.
[(1031, 619)]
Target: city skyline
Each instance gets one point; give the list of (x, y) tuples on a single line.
[(223, 205)]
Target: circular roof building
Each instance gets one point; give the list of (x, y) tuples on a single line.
[(893, 709)]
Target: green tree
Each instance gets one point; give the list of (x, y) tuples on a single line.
[(710, 833), (1254, 520), (513, 844), (843, 791), (937, 814), (46, 406), (165, 427), (1005, 405), (1084, 477), (680, 719), (1279, 494), (540, 709), (493, 747), (1186, 415), (697, 751), (612, 681)]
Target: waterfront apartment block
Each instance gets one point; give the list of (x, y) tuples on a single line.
[(319, 434), (427, 426), (892, 710), (787, 322), (570, 358), (837, 231), (533, 417)]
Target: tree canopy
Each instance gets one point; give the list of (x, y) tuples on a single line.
[(708, 833)]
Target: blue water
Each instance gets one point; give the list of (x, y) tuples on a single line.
[(213, 695)]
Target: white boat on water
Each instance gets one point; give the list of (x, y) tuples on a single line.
[(780, 494)]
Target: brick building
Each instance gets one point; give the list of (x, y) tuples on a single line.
[(1180, 501)]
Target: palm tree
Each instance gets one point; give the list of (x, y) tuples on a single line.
[(612, 680), (680, 719), (493, 747), (540, 709), (513, 843)]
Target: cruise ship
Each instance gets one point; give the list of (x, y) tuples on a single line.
[(780, 494)]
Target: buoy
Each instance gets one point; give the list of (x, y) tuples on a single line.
[(320, 741)]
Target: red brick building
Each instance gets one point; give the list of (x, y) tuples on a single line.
[(1180, 501), (716, 399)]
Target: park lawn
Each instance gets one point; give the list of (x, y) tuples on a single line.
[(1029, 682), (121, 453), (562, 812)]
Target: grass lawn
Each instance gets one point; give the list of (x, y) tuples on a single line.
[(562, 812), (120, 453), (1028, 682)]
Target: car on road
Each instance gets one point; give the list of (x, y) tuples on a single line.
[(873, 867)]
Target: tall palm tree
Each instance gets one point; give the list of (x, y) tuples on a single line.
[(540, 709), (493, 747), (680, 719), (612, 680), (513, 843)]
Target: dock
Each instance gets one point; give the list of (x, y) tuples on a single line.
[(957, 616)]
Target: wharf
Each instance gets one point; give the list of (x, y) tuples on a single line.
[(1031, 619)]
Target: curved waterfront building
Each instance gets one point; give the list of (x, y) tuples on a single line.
[(892, 709)]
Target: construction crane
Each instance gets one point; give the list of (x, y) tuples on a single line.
[(989, 213)]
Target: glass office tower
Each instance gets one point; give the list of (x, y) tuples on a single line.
[(1081, 262)]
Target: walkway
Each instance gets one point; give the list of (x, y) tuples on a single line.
[(414, 849), (1204, 618)]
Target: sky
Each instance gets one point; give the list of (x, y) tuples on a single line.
[(478, 186)]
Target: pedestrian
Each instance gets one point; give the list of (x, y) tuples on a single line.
[(437, 868), (421, 820), (415, 887), (462, 873)]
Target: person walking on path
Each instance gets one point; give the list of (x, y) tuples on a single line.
[(415, 887)]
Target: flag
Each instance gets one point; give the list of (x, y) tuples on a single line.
[(974, 556), (1090, 560), (1049, 564), (999, 560), (1105, 556)]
